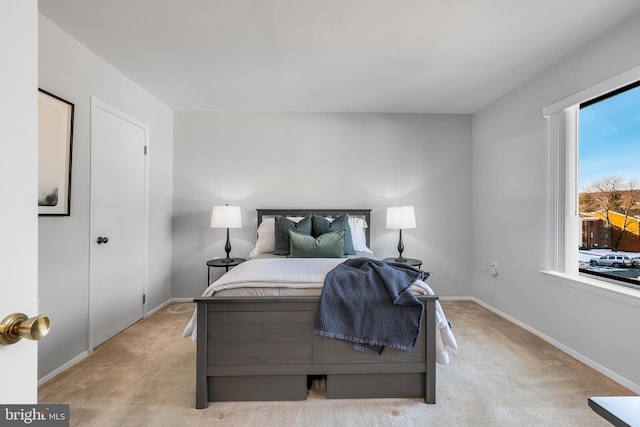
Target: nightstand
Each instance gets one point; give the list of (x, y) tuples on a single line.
[(411, 261), (219, 262)]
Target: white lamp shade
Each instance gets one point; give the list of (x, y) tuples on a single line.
[(401, 217), (226, 217)]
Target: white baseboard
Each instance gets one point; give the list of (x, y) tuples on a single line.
[(160, 307), (167, 302), (603, 370), (63, 368)]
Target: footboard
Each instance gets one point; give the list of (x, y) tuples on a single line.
[(264, 348)]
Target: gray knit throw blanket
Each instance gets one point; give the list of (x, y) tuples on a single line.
[(368, 302)]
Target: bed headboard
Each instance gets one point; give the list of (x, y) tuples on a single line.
[(331, 213)]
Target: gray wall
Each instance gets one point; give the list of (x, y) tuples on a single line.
[(71, 71), (324, 161), (510, 210)]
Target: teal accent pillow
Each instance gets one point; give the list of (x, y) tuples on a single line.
[(321, 225), (281, 233), (328, 245)]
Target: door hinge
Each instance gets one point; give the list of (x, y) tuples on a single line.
[(145, 150), (144, 298)]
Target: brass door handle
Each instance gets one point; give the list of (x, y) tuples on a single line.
[(16, 326)]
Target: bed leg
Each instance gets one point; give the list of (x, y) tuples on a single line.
[(202, 392), (430, 375)]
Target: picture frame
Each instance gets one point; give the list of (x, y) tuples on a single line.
[(55, 143)]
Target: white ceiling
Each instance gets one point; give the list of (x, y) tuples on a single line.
[(420, 56)]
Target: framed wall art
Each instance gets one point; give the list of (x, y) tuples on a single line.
[(55, 140)]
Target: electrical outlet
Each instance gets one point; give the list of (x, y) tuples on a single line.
[(494, 268)]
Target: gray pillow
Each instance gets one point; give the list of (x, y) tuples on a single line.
[(281, 233), (328, 245), (321, 225)]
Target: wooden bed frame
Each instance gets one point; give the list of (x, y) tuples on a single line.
[(264, 348)]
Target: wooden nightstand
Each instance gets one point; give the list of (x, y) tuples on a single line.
[(219, 262), (411, 261)]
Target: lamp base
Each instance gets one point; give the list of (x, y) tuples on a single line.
[(400, 250), (227, 249)]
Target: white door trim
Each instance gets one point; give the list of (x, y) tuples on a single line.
[(95, 105)]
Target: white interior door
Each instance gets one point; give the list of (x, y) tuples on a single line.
[(18, 186), (118, 221)]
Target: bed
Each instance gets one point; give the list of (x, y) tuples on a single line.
[(255, 342)]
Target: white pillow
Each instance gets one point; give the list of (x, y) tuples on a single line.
[(266, 237), (358, 236)]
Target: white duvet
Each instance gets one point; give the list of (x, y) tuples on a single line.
[(444, 337), (308, 273), (276, 272)]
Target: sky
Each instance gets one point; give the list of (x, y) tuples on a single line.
[(609, 139)]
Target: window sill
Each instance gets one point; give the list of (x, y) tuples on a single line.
[(600, 287)]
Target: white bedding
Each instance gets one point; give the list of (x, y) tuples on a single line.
[(444, 337), (276, 272), (306, 274)]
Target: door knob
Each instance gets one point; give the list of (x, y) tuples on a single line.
[(100, 240), (16, 326)]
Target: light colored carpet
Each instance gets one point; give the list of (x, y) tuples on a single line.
[(501, 375)]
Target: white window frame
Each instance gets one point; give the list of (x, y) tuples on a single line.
[(562, 134)]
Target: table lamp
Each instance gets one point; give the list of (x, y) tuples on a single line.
[(399, 218), (226, 217)]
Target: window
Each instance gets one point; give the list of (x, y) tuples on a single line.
[(563, 119), (609, 182)]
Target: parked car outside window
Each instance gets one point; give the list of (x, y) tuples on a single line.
[(612, 260)]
